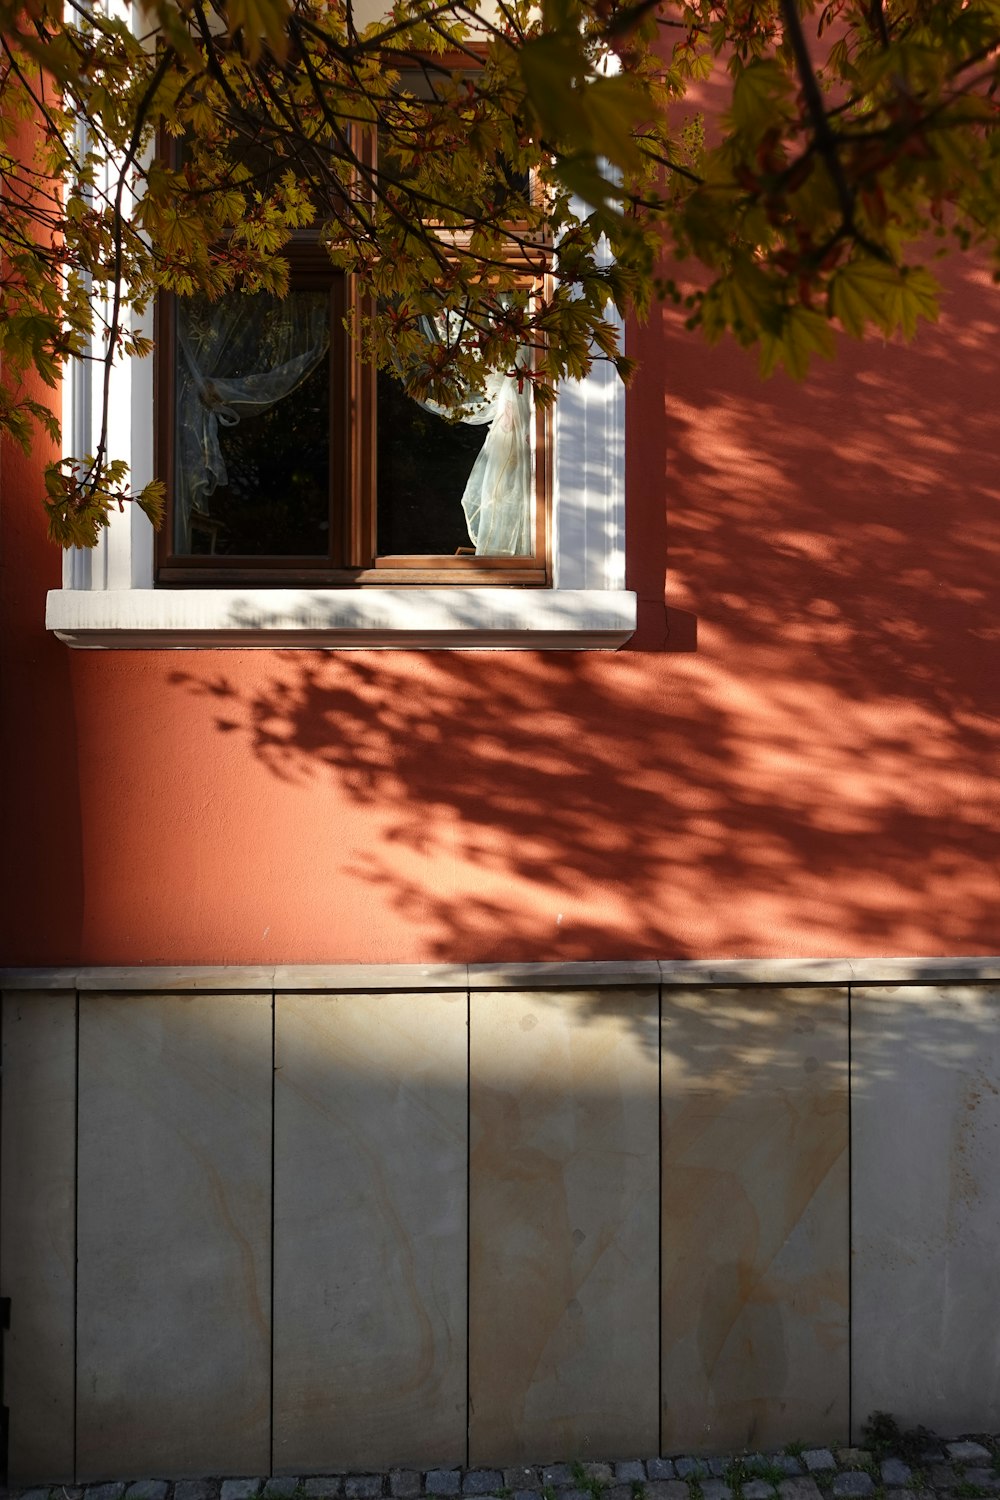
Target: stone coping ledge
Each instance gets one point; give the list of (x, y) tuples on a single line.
[(367, 978)]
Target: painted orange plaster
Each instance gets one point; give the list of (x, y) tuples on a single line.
[(797, 757)]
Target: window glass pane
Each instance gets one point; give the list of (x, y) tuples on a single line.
[(424, 463), (252, 445)]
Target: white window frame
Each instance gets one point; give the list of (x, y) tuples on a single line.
[(108, 600)]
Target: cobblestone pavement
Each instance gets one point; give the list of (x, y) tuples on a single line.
[(916, 1467)]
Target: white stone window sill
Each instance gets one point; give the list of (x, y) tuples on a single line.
[(359, 619)]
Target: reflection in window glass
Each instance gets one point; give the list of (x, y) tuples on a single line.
[(424, 462), (252, 429)]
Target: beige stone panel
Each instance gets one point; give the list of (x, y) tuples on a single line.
[(370, 1231), (173, 1328), (37, 1231), (563, 1344), (755, 1218), (925, 1165)]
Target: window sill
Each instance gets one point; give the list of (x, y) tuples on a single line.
[(339, 619)]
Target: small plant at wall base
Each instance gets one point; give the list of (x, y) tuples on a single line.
[(438, 157), (589, 1483), (884, 1436), (741, 1471)]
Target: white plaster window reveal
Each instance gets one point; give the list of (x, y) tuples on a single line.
[(108, 600)]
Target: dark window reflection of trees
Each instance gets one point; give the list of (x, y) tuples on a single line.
[(277, 501), (424, 462)]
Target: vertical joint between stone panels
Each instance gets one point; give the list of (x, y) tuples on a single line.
[(4, 1302), (468, 1226), (4, 1410), (76, 1228), (270, 1418), (850, 1218), (659, 1232)]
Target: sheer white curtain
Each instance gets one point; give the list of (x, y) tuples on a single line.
[(497, 497), (238, 357)]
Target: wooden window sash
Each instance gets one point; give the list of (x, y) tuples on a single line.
[(310, 271), (353, 559)]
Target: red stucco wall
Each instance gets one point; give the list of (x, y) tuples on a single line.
[(799, 757)]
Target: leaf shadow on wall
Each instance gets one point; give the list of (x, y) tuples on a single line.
[(817, 778)]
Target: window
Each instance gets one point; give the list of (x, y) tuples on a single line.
[(109, 600), (288, 460), (363, 542)]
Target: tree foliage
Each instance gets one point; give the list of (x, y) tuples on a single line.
[(519, 166)]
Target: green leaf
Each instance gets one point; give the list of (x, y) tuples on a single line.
[(761, 96), (867, 291), (583, 176), (613, 108), (802, 334), (918, 299), (259, 21), (551, 67), (152, 500)]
